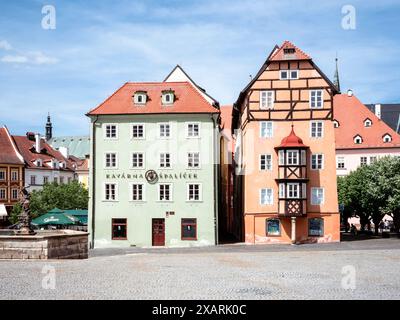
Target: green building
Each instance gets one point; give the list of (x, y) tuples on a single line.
[(154, 179)]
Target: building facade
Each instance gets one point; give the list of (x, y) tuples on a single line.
[(153, 167), (43, 164), (285, 178), (362, 137), (11, 175)]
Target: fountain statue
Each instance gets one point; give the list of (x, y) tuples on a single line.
[(24, 219)]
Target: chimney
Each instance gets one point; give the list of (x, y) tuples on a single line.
[(37, 143), (64, 152), (349, 93), (378, 110)]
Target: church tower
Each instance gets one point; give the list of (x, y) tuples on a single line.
[(49, 128)]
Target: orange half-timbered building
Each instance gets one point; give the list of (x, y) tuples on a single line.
[(285, 177)]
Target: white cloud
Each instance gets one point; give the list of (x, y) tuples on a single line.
[(14, 59), (5, 45), (34, 58)]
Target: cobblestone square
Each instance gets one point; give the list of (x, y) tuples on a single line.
[(223, 272)]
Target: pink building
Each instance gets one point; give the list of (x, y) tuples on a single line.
[(360, 136)]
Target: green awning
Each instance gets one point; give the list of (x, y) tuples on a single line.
[(55, 219)]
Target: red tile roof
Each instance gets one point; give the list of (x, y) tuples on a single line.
[(298, 54), (188, 100), (292, 141), (26, 148), (226, 117), (8, 153), (351, 114)]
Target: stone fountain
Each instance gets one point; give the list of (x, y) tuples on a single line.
[(25, 243)]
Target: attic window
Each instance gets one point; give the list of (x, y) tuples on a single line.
[(289, 50), (168, 97), (367, 123), (387, 138), (336, 124), (38, 163), (289, 74), (358, 139), (140, 97)]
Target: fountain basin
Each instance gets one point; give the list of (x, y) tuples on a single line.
[(45, 244)]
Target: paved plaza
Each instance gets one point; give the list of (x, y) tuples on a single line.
[(366, 269)]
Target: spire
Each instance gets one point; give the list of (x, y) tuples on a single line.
[(49, 128), (336, 77)]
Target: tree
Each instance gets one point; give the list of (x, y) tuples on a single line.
[(63, 196)]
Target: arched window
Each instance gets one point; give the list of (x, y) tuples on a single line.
[(273, 227), (316, 227), (358, 139), (367, 123), (387, 138), (140, 97), (336, 124)]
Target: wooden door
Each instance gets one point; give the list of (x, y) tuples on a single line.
[(158, 232)]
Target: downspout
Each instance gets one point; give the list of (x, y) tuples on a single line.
[(216, 185), (93, 186)]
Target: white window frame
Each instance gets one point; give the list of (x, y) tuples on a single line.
[(271, 198), (12, 191), (322, 161), (297, 189), (336, 124), (369, 122), (144, 160), (316, 129), (5, 193), (34, 178), (136, 98), (267, 168), (4, 171), (281, 158), (316, 106), (289, 74), (187, 130), (297, 157), (269, 99), (105, 160), (159, 130), (200, 191), (188, 156), (171, 188), (169, 162), (339, 160), (105, 131), (105, 191), (315, 189), (144, 131), (164, 98), (267, 123), (132, 184), (361, 161)]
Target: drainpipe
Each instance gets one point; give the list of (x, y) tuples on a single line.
[(293, 231), (93, 186), (216, 185)]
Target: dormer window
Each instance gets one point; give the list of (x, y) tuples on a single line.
[(358, 139), (38, 163), (387, 138), (168, 97), (289, 51), (54, 164), (367, 123), (62, 165), (140, 97), (336, 124)]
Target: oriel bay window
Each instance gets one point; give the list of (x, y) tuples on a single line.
[(189, 229), (119, 228), (292, 176)]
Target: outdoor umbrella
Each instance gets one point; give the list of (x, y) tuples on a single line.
[(55, 217)]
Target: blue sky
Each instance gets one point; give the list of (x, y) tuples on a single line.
[(99, 45)]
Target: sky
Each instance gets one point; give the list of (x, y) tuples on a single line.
[(97, 46)]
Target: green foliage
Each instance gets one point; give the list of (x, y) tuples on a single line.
[(15, 212), (63, 196), (372, 191)]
